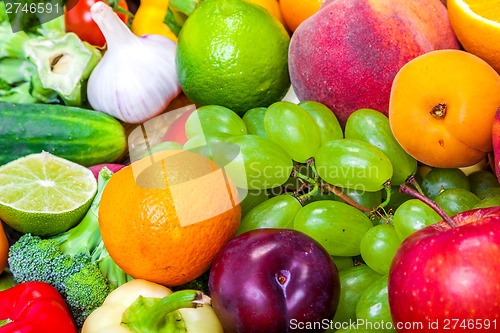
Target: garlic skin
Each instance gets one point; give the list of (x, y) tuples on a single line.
[(136, 79)]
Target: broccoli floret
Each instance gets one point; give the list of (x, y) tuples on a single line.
[(86, 291), (33, 259), (200, 283), (75, 262)]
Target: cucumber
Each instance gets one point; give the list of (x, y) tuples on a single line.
[(80, 135)]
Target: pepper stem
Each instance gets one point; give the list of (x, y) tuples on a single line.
[(4, 322), (153, 315), (408, 190)]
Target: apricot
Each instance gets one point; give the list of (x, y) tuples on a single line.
[(442, 108), (347, 54)]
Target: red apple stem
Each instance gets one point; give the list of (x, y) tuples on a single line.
[(411, 179), (410, 191)]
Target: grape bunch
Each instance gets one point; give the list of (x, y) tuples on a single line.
[(297, 168)]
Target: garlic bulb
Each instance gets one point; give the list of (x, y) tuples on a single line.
[(136, 78)]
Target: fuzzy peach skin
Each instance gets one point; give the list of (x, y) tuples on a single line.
[(348, 53)]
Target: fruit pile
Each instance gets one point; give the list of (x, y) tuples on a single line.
[(250, 166)]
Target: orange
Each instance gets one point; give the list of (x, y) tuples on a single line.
[(294, 12), (477, 26), (4, 248), (442, 106), (164, 218), (272, 6)]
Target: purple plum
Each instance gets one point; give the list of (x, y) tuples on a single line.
[(273, 280)]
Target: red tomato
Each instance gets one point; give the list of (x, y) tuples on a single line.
[(79, 21)]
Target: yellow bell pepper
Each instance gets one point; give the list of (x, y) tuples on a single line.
[(149, 19), (144, 306)]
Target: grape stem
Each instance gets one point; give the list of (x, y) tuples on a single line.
[(313, 168), (387, 188), (304, 197), (297, 174), (338, 192), (403, 188)]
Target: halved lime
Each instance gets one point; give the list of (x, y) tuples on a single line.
[(44, 194)]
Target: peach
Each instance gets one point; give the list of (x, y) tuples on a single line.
[(348, 53)]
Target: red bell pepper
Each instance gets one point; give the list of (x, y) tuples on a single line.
[(34, 307)]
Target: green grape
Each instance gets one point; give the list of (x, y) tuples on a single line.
[(351, 163), (329, 126), (373, 127), (252, 199), (440, 179), (481, 180), (214, 119), (489, 192), (489, 202), (335, 225), (457, 200), (343, 263), (411, 216), (364, 198), (253, 162), (276, 212), (292, 128), (378, 246), (373, 306), (254, 121), (353, 282), (206, 145)]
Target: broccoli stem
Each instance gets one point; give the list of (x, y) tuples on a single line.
[(86, 236), (153, 315), (115, 275)]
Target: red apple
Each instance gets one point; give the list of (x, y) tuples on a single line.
[(446, 278), (273, 280)]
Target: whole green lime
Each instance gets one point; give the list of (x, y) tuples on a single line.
[(233, 53)]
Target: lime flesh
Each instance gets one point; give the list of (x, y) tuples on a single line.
[(43, 194)]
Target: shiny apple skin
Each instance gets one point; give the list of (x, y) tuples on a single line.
[(449, 276), (245, 289)]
